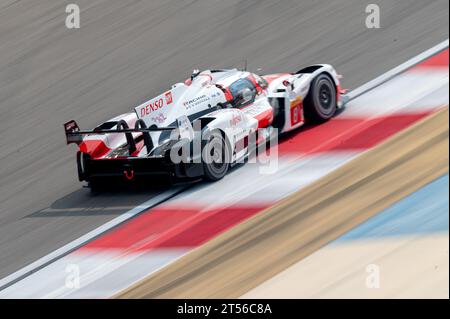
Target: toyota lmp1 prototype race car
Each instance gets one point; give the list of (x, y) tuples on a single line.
[(214, 115)]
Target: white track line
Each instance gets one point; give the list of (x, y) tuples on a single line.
[(66, 249), (397, 70)]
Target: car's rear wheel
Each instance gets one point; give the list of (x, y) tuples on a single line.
[(215, 156), (321, 101)]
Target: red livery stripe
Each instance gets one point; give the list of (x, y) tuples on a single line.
[(95, 148), (440, 60), (346, 134), (173, 227)]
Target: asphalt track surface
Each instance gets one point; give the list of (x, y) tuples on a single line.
[(127, 52)]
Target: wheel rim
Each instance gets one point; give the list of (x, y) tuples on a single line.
[(325, 97), (216, 157)]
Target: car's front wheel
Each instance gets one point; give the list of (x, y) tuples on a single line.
[(215, 156), (321, 101)]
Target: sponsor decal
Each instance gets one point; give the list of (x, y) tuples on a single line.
[(196, 101), (159, 118), (169, 98), (255, 109), (235, 119), (155, 104), (152, 106)]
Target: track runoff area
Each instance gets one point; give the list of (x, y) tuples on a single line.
[(147, 238)]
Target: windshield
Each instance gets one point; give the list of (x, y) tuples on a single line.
[(239, 91)]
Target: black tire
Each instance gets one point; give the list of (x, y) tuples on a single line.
[(215, 156), (321, 101)]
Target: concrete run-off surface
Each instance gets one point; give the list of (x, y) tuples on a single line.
[(400, 253)]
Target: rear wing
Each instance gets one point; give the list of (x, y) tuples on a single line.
[(75, 135)]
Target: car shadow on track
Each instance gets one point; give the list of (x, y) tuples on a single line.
[(83, 202)]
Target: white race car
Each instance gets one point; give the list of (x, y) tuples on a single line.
[(214, 115)]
